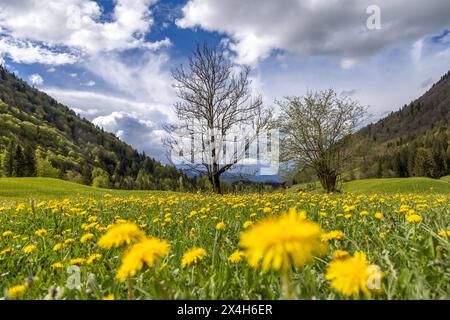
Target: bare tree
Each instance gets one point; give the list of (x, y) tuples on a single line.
[(316, 130), (217, 116)]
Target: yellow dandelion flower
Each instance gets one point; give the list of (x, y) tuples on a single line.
[(6, 250), (120, 233), (236, 256), (85, 238), (93, 257), (364, 213), (378, 215), (58, 246), (29, 249), (16, 291), (220, 226), (69, 241), (282, 242), (76, 261), (57, 265), (148, 251), (247, 224), (41, 232), (193, 256), (444, 233), (340, 254), (352, 275), (109, 297), (333, 235), (7, 233), (413, 218)]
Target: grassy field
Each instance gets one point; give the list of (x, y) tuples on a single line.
[(86, 243), (392, 185), (47, 188)]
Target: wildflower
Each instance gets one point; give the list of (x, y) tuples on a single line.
[(58, 246), (76, 261), (236, 256), (16, 291), (119, 234), (247, 224), (351, 276), (6, 250), (148, 251), (282, 242), (7, 233), (29, 249), (220, 226), (333, 235), (41, 232), (378, 215), (413, 218), (85, 238), (444, 233), (340, 254), (193, 256), (93, 257), (109, 297), (57, 265), (69, 241), (364, 213)]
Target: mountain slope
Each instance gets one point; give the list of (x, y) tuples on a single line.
[(413, 141), (65, 146)]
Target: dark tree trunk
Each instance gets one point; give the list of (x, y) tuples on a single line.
[(216, 183), (327, 178)]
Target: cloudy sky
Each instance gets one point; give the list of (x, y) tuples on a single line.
[(111, 60)]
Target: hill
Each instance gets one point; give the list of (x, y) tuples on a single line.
[(414, 141), (39, 136), (392, 185)]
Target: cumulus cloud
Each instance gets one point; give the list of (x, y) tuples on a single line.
[(36, 79), (27, 52), (135, 131), (77, 23), (314, 27)]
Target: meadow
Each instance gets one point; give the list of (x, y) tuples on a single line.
[(79, 244)]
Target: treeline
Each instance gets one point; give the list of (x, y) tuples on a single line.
[(427, 155)]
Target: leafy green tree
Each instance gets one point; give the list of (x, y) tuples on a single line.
[(29, 162), (8, 160), (100, 178), (424, 165), (19, 162), (44, 167)]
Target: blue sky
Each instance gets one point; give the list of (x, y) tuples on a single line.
[(110, 60)]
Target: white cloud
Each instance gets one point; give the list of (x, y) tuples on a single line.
[(348, 63), (132, 129), (27, 52), (416, 52), (90, 83), (76, 23), (142, 78), (314, 27), (36, 79), (61, 32)]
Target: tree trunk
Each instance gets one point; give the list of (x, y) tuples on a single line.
[(215, 181), (327, 178)]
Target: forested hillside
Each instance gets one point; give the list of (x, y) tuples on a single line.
[(41, 137), (413, 141)]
